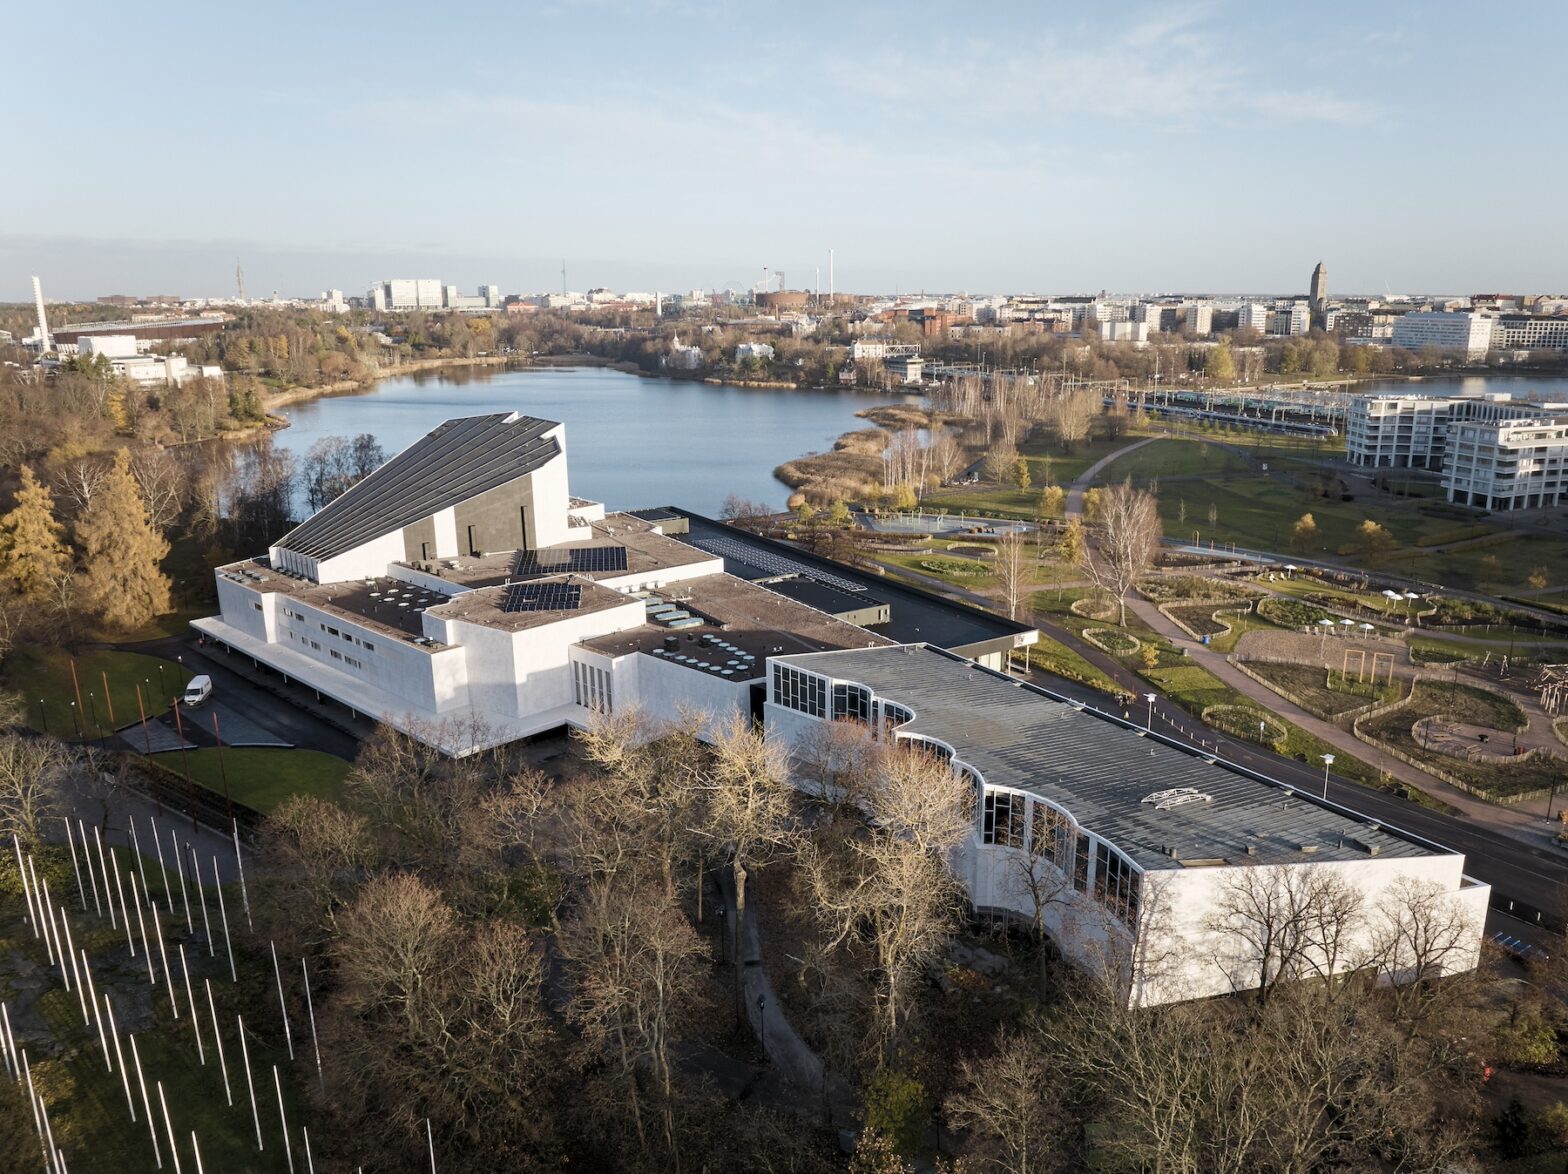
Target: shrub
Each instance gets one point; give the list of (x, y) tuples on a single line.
[(1529, 1039), (953, 566), (897, 1109)]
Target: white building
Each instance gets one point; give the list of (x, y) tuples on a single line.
[(412, 293), (128, 359), (1522, 332), (1290, 321), (1494, 452), (1253, 316), (1200, 319), (683, 358), (1508, 464), (879, 349), (1135, 842), (1470, 333), (762, 352), (460, 594), (1124, 331), (906, 368)]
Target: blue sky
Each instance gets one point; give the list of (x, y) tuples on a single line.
[(1028, 146)]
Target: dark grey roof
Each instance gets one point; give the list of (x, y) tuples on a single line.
[(1101, 771), (458, 460)]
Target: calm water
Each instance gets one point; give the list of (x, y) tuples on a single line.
[(1550, 387), (630, 441)]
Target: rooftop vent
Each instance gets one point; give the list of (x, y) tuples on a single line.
[(1176, 797)]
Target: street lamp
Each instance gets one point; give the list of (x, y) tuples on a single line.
[(1328, 761), (762, 1023), (1148, 724)]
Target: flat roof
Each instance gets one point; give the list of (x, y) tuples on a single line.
[(646, 551), (916, 616), (367, 602), (489, 606), (820, 595), (751, 619), (457, 460), (1105, 773)]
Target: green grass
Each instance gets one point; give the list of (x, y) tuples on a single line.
[(261, 777), (1051, 656), (39, 673), (1176, 458)]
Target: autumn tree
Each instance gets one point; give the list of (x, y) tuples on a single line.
[(1050, 503), (33, 554), (121, 553), (1071, 414), (1129, 540), (1372, 542), (1304, 534), (1220, 364)]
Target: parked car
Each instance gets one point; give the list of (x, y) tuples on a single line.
[(197, 691)]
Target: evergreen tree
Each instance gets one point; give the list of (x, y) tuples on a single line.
[(32, 553), (121, 553)]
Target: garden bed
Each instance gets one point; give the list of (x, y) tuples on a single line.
[(1291, 613), (1321, 691), (1247, 723), (1113, 640)]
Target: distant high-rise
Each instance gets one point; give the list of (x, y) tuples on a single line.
[(1317, 297)]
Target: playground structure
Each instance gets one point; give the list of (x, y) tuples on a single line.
[(1380, 661)]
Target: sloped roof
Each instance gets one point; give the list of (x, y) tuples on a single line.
[(460, 459)]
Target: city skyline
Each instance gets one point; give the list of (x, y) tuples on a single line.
[(1199, 147)]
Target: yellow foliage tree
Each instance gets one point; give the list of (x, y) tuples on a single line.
[(122, 582), (1304, 534), (33, 554)]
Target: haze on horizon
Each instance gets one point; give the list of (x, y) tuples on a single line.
[(1146, 147)]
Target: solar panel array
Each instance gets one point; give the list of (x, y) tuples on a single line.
[(768, 562), (542, 597), (580, 560)]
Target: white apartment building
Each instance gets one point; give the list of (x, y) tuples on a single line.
[(1493, 452), (1522, 332), (1135, 843), (1200, 319), (761, 351), (1124, 331), (1457, 331), (1253, 316), (410, 293), (1290, 321), (1509, 464)]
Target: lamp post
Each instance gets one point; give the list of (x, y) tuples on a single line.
[(1328, 761), (43, 715), (762, 1023), (1148, 722)]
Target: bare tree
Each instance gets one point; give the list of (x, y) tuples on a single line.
[(1008, 1103), (945, 456), (164, 483), (1071, 414), (80, 481), (316, 853), (1274, 925), (750, 805), (889, 887), (1015, 573), (1422, 934), (32, 775), (1129, 541)]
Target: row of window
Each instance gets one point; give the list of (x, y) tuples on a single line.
[(1051, 836), (591, 687), (348, 636), (804, 692)]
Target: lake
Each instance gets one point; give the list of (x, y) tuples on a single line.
[(1546, 387), (631, 441)]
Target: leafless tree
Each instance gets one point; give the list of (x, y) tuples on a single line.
[(315, 855), (945, 456), (1015, 573), (750, 809), (889, 887), (1008, 1104), (1420, 935), (1275, 925), (1071, 414), (32, 776), (1128, 542), (79, 482), (164, 483)]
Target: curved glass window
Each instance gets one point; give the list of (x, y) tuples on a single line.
[(1003, 819), (1117, 884), (805, 692), (1051, 835), (851, 703)]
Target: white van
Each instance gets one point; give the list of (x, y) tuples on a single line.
[(197, 692)]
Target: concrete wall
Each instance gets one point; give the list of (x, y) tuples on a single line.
[(362, 562)]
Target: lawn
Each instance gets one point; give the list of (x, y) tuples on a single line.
[(1051, 656), (261, 777), (43, 679), (1176, 458)]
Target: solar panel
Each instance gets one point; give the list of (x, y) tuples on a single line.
[(769, 563), (542, 597), (582, 560)]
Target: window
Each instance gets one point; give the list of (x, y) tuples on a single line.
[(851, 703), (331, 631), (1051, 835), (591, 686), (895, 715), (255, 605), (349, 636), (1004, 820), (1081, 863), (1117, 884), (800, 691), (316, 646), (336, 655), (367, 645)]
